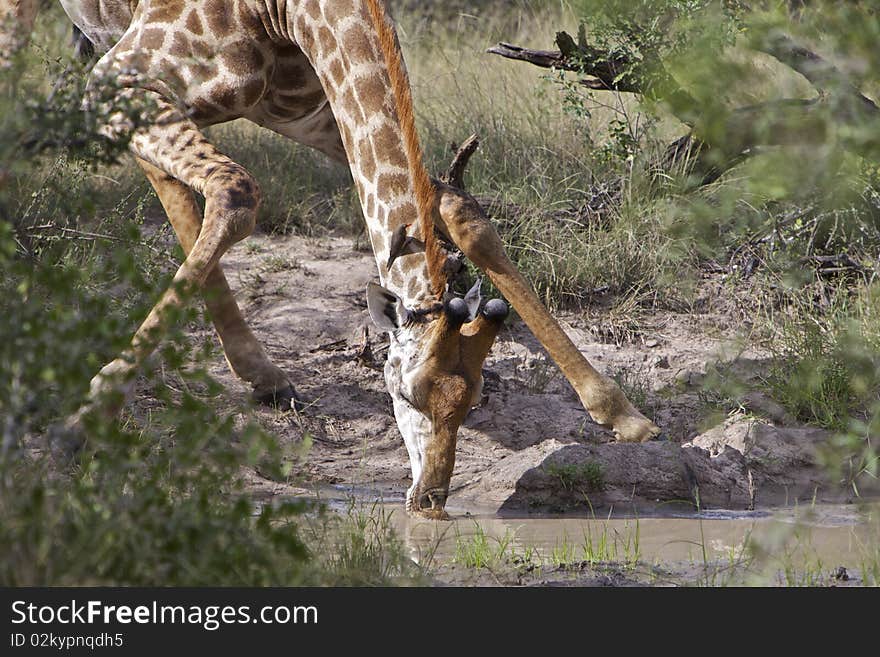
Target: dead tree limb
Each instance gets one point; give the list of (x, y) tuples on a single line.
[(542, 58), (603, 71), (712, 149)]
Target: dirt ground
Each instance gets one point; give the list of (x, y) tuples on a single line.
[(529, 446)]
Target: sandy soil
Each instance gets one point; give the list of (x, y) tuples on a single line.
[(524, 446)]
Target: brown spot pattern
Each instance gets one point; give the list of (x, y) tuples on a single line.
[(194, 23), (165, 11), (201, 49), (373, 92), (366, 159), (337, 10), (351, 106), (313, 8), (358, 47), (395, 277), (180, 45), (224, 96), (326, 39), (392, 185), (389, 147), (242, 58), (152, 38), (403, 214), (217, 14)]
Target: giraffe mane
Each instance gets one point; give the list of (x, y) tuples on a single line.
[(403, 101)]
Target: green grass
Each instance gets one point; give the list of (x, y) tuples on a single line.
[(825, 368), (622, 548), (361, 548), (633, 382), (577, 478), (481, 550), (601, 545)]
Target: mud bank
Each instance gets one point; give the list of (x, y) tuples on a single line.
[(529, 445)]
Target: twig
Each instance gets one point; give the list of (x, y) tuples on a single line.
[(336, 345), (542, 58), (91, 237)]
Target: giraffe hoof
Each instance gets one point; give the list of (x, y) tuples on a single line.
[(635, 428), (637, 432), (431, 514), (284, 399)]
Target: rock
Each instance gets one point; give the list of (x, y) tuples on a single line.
[(660, 362), (784, 463), (735, 465), (717, 481), (689, 377), (727, 434)]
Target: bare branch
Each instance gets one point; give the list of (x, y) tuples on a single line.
[(542, 58), (712, 149), (605, 72)]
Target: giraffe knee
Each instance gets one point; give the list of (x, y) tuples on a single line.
[(232, 198)]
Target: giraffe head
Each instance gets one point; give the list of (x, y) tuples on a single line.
[(434, 376)]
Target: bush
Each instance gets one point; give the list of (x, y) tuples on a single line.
[(781, 189)]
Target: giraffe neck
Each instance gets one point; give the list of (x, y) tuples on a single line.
[(354, 53)]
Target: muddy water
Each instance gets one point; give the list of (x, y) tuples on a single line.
[(832, 536), (824, 536)]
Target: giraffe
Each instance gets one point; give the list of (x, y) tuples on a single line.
[(328, 74)]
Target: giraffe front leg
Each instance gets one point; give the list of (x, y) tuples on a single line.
[(176, 147), (465, 223), (245, 356)]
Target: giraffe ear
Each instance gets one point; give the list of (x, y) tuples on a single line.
[(386, 308)]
